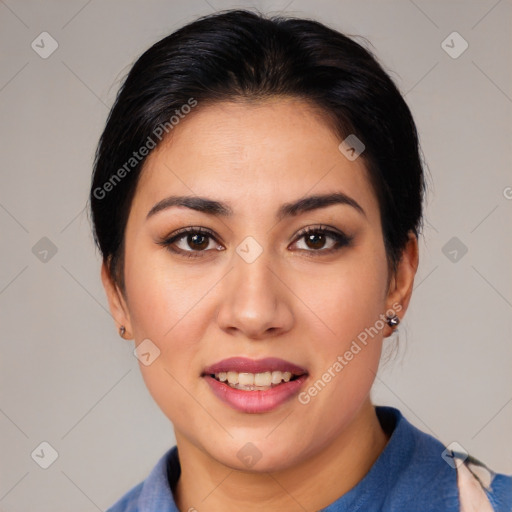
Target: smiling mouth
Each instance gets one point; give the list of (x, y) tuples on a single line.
[(255, 381)]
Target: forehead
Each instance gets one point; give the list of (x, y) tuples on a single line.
[(252, 155)]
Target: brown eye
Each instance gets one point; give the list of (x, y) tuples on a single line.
[(321, 240), (315, 240), (190, 242), (198, 241)]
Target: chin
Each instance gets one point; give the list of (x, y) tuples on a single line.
[(258, 456)]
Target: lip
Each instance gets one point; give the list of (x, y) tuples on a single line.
[(254, 402), (246, 365)]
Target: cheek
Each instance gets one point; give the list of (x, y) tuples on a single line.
[(163, 299), (347, 329), (345, 299), (171, 311), (164, 308)]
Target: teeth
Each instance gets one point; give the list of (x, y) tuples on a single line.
[(253, 381), (276, 377), (246, 379), (263, 379)]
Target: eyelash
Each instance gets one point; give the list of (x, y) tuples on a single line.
[(341, 240)]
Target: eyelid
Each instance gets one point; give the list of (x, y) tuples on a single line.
[(190, 229), (169, 240), (337, 235), (320, 227)]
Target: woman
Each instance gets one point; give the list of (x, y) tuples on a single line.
[(257, 199)]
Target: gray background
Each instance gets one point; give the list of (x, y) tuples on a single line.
[(68, 379)]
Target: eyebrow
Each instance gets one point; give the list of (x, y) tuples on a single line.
[(217, 208)]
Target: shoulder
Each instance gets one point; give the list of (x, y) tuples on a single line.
[(419, 479), (438, 475), (480, 488), (128, 503), (153, 493)]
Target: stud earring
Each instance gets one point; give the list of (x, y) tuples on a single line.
[(393, 321), (122, 330)]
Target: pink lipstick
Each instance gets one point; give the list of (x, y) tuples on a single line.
[(254, 386)]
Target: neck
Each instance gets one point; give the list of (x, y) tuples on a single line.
[(311, 485)]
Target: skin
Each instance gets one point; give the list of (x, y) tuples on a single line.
[(292, 302)]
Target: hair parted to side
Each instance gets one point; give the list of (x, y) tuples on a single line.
[(240, 55)]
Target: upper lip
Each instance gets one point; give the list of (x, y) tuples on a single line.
[(245, 365)]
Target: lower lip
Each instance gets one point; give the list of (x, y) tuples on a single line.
[(255, 401)]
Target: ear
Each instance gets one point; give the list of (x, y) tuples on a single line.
[(116, 301), (401, 283)]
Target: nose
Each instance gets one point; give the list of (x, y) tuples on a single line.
[(255, 303)]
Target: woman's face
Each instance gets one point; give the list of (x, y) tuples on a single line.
[(253, 285)]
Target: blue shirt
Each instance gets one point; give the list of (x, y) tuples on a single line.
[(410, 475)]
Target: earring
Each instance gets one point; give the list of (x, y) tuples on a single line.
[(393, 321), (122, 330)]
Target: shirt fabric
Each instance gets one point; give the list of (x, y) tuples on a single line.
[(412, 474)]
